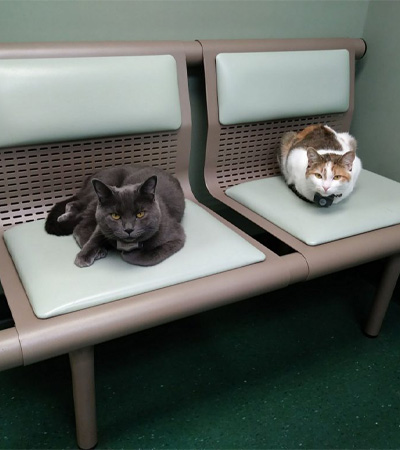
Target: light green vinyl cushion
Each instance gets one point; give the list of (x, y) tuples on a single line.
[(55, 286), (374, 203), (262, 86), (56, 99)]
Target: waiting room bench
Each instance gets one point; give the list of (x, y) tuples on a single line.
[(68, 110), (256, 91)]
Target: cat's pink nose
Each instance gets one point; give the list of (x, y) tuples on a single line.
[(325, 188)]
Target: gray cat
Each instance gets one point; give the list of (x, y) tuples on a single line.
[(135, 209)]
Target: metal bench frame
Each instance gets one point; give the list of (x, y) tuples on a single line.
[(245, 152), (33, 177)]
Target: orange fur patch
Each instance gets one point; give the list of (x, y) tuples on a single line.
[(302, 134), (316, 168), (341, 172)]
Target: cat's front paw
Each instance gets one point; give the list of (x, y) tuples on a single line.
[(102, 253), (84, 259)]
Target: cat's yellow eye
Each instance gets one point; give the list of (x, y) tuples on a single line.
[(115, 216), (337, 177), (140, 214), (318, 175)]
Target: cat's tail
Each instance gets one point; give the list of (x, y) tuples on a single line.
[(64, 228)]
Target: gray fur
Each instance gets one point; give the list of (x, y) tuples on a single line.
[(126, 191)]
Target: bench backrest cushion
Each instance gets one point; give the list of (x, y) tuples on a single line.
[(56, 99), (261, 86)]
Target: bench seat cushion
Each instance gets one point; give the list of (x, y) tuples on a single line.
[(54, 285), (374, 203)]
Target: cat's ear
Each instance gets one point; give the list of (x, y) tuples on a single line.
[(103, 192), (347, 160), (148, 188), (313, 156)]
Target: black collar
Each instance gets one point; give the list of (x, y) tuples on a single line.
[(318, 198)]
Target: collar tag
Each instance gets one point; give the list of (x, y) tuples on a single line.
[(324, 202)]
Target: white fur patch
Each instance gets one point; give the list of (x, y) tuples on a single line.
[(127, 247)]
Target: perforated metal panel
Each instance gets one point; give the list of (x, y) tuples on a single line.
[(247, 152), (33, 178)]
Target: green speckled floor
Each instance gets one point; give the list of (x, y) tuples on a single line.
[(290, 370)]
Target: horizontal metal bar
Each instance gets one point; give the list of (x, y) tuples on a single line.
[(192, 49), (356, 45)]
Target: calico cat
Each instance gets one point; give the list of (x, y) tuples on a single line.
[(135, 209), (319, 165)]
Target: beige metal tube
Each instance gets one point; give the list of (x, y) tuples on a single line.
[(383, 296), (192, 49), (10, 349), (83, 385)]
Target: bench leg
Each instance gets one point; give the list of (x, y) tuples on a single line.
[(383, 296), (82, 369)]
